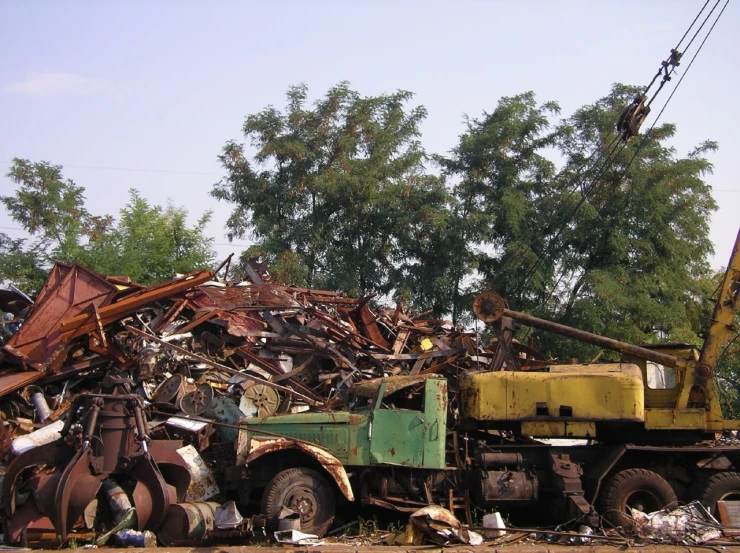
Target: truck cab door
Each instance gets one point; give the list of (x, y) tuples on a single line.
[(397, 436)]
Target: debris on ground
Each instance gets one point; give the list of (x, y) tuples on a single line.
[(689, 524), (436, 525)]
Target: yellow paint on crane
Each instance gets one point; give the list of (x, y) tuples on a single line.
[(566, 394)]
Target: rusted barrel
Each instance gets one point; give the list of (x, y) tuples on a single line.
[(187, 523)]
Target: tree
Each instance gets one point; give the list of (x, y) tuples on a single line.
[(630, 260), (502, 197), (336, 192), (20, 263), (148, 244), (51, 209), (614, 241), (151, 243)]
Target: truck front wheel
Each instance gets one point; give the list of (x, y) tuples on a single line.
[(640, 489), (306, 492)]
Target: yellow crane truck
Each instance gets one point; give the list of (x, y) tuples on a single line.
[(653, 416), (648, 426)]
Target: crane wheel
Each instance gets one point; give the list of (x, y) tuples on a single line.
[(723, 486), (306, 492), (640, 489)]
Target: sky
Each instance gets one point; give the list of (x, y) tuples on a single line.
[(145, 94)]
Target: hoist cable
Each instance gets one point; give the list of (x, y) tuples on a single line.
[(705, 22), (671, 61), (655, 122), (657, 118), (676, 51), (610, 157), (692, 24), (587, 191)]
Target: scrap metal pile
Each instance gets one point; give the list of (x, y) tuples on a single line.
[(146, 386)]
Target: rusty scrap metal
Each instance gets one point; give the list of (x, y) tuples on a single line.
[(202, 357), (219, 366), (38, 341), (82, 324)]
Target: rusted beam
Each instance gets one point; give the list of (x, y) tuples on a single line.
[(595, 339), (83, 324)]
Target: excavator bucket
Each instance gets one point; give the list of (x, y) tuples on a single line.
[(56, 453), (77, 488), (151, 494), (171, 465)]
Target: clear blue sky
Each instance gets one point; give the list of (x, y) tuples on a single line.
[(162, 85)]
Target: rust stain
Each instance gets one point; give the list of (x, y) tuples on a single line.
[(330, 463), (69, 292), (393, 451)]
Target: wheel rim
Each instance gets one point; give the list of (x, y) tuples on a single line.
[(643, 500), (304, 503), (732, 495)]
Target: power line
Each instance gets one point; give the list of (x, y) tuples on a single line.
[(214, 244), (134, 170)]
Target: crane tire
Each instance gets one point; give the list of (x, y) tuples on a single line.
[(719, 487), (306, 492), (636, 488)]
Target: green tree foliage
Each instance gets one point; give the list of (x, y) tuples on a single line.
[(151, 243), (503, 192), (148, 243), (614, 241), (630, 262), (553, 214), (336, 194), (20, 263), (52, 210)]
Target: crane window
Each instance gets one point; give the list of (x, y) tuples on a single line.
[(660, 377)]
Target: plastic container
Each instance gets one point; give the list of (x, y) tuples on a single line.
[(492, 525), (42, 436)]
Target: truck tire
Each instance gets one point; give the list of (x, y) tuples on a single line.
[(636, 488), (724, 486), (306, 492)]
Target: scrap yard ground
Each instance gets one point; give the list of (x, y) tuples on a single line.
[(341, 548)]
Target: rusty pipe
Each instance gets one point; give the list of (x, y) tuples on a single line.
[(582, 335)]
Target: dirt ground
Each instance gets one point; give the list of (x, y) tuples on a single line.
[(484, 548)]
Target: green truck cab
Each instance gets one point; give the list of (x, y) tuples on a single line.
[(308, 461)]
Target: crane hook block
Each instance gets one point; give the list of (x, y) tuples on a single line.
[(632, 118)]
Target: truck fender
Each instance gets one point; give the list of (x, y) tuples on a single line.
[(331, 464)]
